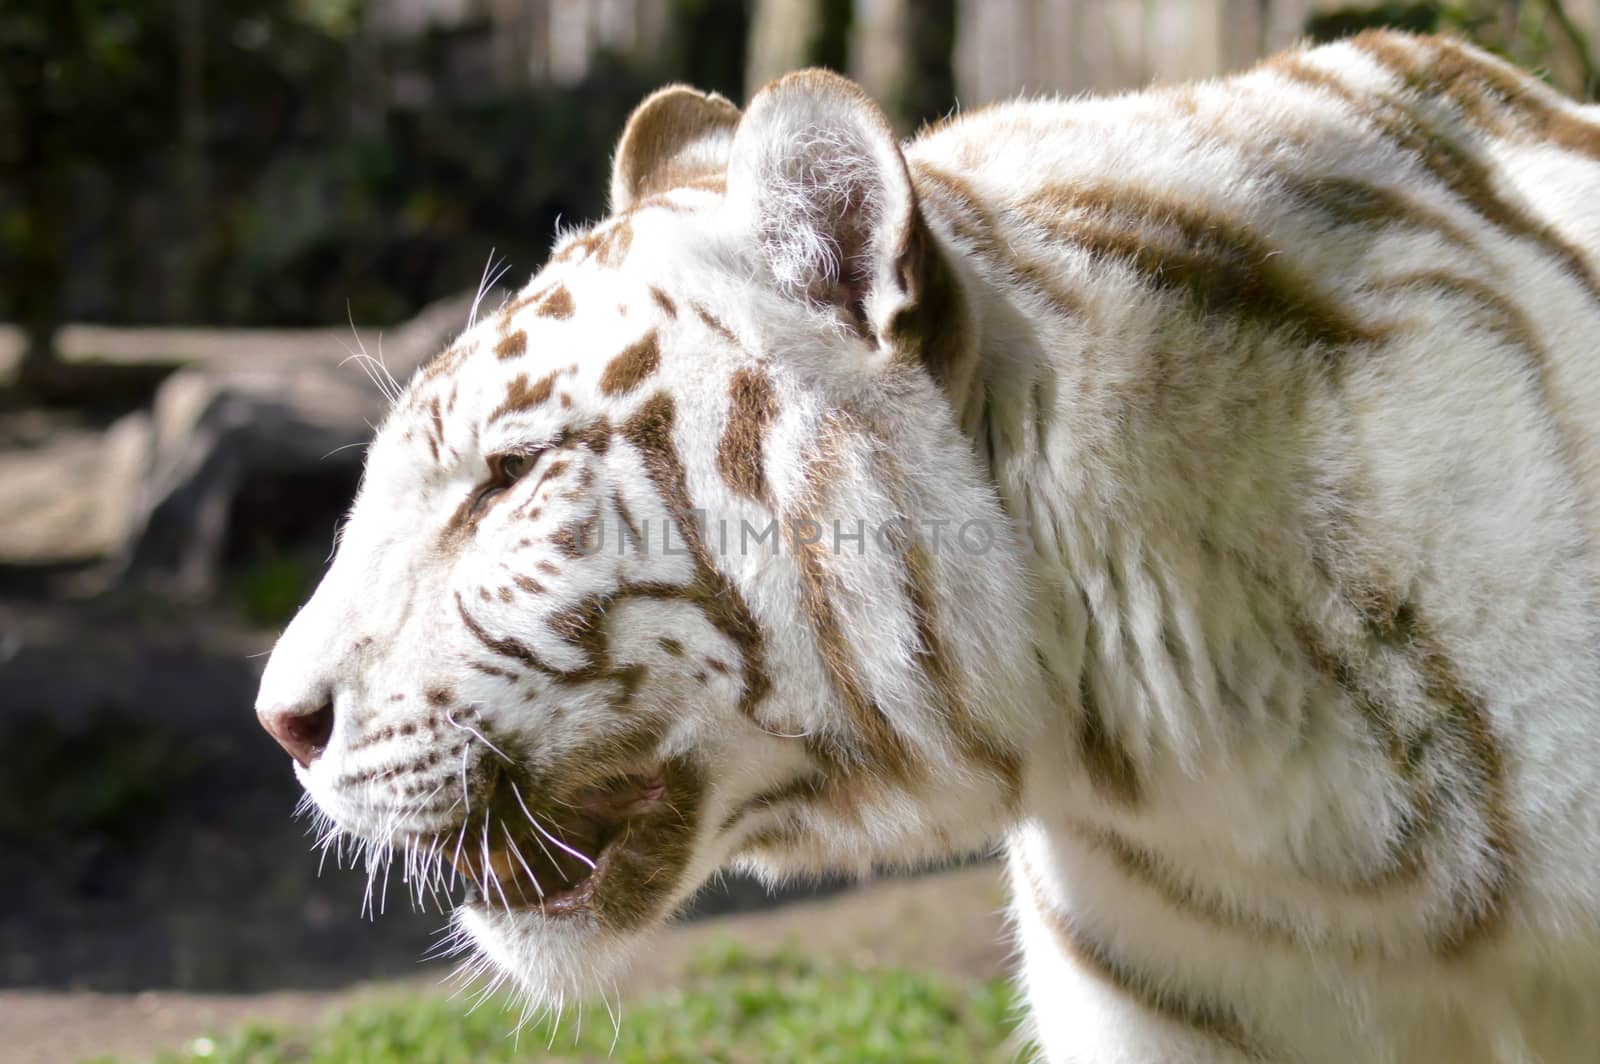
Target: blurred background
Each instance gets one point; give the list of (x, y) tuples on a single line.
[(206, 207)]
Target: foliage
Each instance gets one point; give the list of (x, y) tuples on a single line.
[(373, 225), (736, 1006), (1539, 35), (705, 45), (269, 589), (217, 161)]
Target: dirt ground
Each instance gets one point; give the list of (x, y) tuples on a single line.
[(948, 922)]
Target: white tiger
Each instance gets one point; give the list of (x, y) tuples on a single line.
[(1197, 489)]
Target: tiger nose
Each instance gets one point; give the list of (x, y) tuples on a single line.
[(302, 730)]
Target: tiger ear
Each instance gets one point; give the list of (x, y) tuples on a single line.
[(817, 176), (676, 135)]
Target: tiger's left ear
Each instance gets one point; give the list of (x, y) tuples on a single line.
[(676, 136), (818, 179)]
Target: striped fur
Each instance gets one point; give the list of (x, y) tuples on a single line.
[(1276, 403)]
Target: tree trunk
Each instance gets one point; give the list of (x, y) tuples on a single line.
[(787, 35), (707, 43), (41, 272), (905, 51), (192, 175)]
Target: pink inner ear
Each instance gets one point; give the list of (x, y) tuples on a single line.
[(849, 284), (817, 172)]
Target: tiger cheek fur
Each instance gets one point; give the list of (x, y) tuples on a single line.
[(1171, 486)]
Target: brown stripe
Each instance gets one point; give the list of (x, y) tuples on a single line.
[(712, 322), (1447, 162), (978, 746), (1452, 743), (1406, 860), (524, 394), (880, 746), (630, 527), (650, 431), (1501, 100), (974, 225), (1111, 768), (492, 670), (1481, 906), (1206, 255), (932, 329), (558, 304), (583, 625), (877, 743), (629, 369), (968, 214), (1096, 957), (446, 361), (549, 302), (436, 424), (661, 201), (511, 345), (576, 539), (1495, 314), (805, 790), (1359, 204), (501, 646), (664, 301), (614, 247), (1154, 873), (752, 406), (609, 245)]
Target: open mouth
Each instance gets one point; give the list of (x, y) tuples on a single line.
[(555, 862)]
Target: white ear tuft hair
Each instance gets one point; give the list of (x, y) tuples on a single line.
[(817, 176)]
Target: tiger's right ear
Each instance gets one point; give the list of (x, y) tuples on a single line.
[(675, 136)]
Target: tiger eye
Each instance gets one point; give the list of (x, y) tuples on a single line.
[(510, 467)]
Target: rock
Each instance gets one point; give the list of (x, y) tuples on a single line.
[(150, 498), (57, 506)]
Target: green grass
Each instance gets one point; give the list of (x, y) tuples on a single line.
[(735, 1007)]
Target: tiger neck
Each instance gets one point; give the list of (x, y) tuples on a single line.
[(966, 320), (998, 363)]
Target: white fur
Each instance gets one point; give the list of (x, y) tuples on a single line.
[(1161, 481)]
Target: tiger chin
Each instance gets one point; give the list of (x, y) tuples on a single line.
[(1195, 490)]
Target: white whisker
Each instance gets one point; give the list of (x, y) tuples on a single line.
[(517, 853), (516, 793), (475, 733), (557, 842)]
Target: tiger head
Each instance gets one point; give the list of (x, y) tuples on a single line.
[(679, 561)]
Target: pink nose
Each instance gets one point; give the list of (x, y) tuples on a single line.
[(302, 730)]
